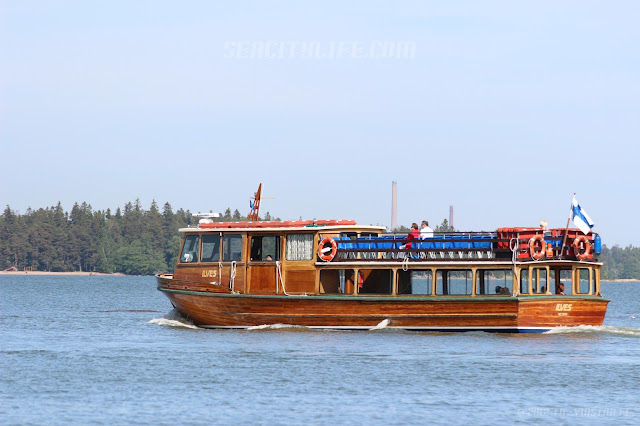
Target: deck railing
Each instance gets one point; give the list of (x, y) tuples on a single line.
[(447, 246)]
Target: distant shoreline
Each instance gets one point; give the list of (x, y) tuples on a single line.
[(117, 274)]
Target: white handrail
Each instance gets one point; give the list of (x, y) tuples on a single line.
[(232, 275), (279, 279)]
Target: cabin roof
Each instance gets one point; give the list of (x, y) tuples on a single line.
[(286, 229)]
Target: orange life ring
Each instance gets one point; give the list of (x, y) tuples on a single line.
[(580, 242), (537, 252), (327, 249)]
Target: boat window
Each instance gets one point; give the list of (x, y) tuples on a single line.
[(232, 246), (524, 281), (374, 281), (539, 281), (415, 281), (582, 275), (495, 281), (190, 249), (299, 247), (560, 276), (265, 248), (210, 248), (336, 281), (454, 282), (594, 282)]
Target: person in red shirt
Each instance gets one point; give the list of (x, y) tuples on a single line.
[(413, 235)]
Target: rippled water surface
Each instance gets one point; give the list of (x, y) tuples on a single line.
[(109, 350)]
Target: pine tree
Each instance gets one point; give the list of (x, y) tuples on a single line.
[(444, 227)]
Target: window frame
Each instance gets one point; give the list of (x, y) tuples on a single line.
[(295, 258), (195, 258), (202, 246), (482, 274), (227, 245), (277, 247), (442, 278)]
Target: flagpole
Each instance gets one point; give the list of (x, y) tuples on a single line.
[(566, 230)]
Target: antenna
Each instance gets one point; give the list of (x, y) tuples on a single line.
[(206, 215)]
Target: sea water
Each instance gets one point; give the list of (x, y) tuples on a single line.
[(110, 350)]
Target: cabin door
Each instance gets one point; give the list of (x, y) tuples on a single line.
[(263, 271), (232, 267)]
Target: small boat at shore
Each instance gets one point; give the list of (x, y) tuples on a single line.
[(335, 274)]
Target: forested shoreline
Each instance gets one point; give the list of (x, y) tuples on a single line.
[(135, 241), (131, 241)]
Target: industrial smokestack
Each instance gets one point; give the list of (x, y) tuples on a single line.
[(451, 216), (394, 205)]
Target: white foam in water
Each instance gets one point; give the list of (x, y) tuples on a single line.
[(592, 329), (276, 327), (383, 324), (174, 319)]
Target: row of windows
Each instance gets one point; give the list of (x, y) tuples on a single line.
[(453, 282), (264, 248), (539, 280), (418, 282)]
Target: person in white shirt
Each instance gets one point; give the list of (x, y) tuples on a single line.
[(425, 231)]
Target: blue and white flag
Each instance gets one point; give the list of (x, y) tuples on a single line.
[(580, 218)]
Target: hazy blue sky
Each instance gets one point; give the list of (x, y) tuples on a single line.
[(503, 109)]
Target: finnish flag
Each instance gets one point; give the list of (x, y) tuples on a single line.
[(580, 218)]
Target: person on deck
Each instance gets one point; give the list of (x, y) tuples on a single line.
[(425, 231), (413, 235), (560, 288)]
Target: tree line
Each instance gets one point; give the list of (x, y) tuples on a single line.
[(620, 263), (135, 241), (131, 241)]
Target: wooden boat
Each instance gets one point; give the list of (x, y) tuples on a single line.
[(335, 274)]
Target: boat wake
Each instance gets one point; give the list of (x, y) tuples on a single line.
[(382, 325), (599, 330), (175, 320), (287, 327)]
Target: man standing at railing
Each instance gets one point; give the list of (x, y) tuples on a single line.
[(426, 232)]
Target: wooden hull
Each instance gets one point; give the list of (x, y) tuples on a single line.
[(213, 306)]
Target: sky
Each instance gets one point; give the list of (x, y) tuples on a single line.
[(503, 109)]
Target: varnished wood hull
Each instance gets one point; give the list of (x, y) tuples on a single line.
[(212, 306)]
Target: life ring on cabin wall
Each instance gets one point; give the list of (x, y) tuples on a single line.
[(327, 249), (580, 242), (537, 251)]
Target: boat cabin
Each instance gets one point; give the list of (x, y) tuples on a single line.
[(340, 258)]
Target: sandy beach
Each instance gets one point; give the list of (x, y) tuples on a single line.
[(57, 273)]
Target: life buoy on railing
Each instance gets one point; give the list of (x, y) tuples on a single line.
[(537, 247), (327, 249), (578, 244)]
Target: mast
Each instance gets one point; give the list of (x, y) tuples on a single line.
[(255, 205)]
